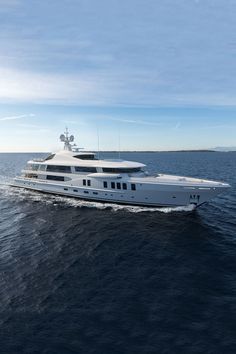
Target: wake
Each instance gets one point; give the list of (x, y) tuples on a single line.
[(23, 194)]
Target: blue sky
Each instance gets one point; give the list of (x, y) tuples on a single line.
[(159, 73)]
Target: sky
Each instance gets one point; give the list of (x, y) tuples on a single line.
[(140, 74)]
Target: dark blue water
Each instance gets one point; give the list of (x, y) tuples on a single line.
[(81, 277)]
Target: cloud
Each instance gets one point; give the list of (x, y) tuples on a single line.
[(17, 117), (134, 121), (99, 88), (25, 86)]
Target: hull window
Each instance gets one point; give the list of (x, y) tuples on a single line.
[(87, 182)]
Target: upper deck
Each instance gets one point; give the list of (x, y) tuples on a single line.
[(70, 158)]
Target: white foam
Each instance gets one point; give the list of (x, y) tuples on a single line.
[(23, 194)]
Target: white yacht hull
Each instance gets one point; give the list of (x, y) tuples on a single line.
[(146, 194)]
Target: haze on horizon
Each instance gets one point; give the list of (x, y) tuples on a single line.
[(159, 74)]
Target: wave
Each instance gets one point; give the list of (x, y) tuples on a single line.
[(25, 194)]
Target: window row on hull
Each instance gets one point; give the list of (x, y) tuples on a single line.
[(86, 182), (118, 185)]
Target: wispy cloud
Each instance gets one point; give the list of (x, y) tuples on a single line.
[(134, 121), (17, 117), (125, 60)]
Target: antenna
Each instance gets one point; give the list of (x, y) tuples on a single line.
[(119, 143), (66, 139), (98, 142)]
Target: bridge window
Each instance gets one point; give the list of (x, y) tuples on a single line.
[(32, 167), (61, 169), (42, 167), (121, 170), (85, 169), (85, 157), (50, 157)]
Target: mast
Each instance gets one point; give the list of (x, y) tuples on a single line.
[(67, 140)]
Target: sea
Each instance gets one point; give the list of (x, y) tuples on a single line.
[(84, 277)]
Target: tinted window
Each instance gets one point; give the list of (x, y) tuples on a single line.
[(85, 157), (118, 186), (85, 169), (113, 185), (89, 183), (122, 170), (105, 184), (84, 182), (49, 157), (54, 168), (124, 185), (55, 178), (133, 186)]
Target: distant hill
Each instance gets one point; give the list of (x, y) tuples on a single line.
[(225, 148)]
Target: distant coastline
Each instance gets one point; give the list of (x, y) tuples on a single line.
[(124, 151)]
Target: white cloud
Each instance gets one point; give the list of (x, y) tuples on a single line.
[(17, 117), (99, 88), (24, 86)]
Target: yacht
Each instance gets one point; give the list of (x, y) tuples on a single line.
[(75, 173)]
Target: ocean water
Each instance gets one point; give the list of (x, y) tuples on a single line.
[(81, 277)]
